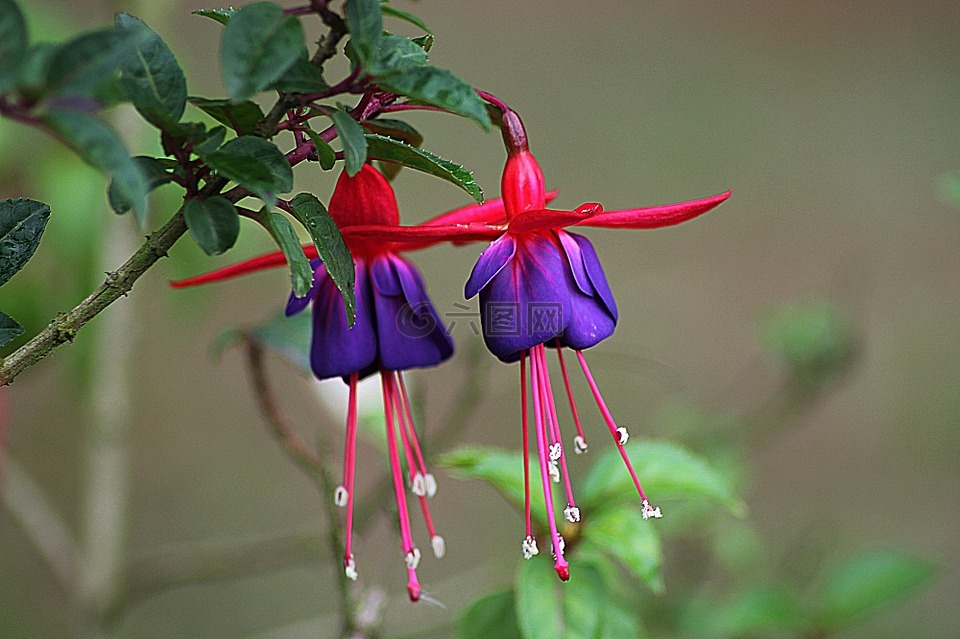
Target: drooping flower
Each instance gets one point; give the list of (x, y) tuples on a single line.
[(396, 328)]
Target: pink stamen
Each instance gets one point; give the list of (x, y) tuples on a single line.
[(349, 468), (411, 555), (551, 413), (573, 404), (407, 452), (560, 565), (611, 424), (526, 442), (414, 439)]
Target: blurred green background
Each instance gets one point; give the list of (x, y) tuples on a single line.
[(836, 126)]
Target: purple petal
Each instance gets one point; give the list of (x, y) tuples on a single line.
[(410, 331), (336, 350), (597, 276), (574, 257), (384, 276), (593, 318), (491, 262), (296, 304)]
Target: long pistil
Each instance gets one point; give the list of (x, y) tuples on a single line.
[(571, 513), (344, 492), (529, 545), (580, 441)]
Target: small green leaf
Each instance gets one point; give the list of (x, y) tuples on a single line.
[(302, 77), (624, 535), (21, 224), (353, 140), (154, 171), (397, 54), (213, 223), (289, 337), (493, 615), (210, 142), (220, 15), (301, 275), (666, 470), (331, 248), (151, 77), (501, 469), (814, 339), (390, 150), (255, 164), (325, 153), (13, 42), (869, 581), (241, 116), (100, 145), (9, 329), (389, 10), (259, 44), (396, 129), (438, 87), (548, 608), (90, 61), (366, 26)]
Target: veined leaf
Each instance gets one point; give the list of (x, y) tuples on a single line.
[(22, 222), (301, 275), (220, 15), (396, 54), (366, 26), (440, 88), (154, 171), (352, 137), (151, 77), (390, 150), (13, 42), (82, 66), (241, 116), (301, 77), (623, 534), (390, 10), (255, 164), (259, 44), (547, 608), (9, 329), (213, 223), (325, 153)]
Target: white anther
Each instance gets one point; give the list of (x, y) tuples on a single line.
[(649, 512), (412, 558), (340, 496), (350, 568), (579, 445), (419, 487), (431, 484), (554, 471), (571, 514), (529, 547), (622, 435), (556, 450), (561, 543), (439, 546)]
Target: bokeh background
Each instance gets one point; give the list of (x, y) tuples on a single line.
[(837, 126)]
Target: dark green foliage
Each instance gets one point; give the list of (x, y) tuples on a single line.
[(82, 67), (492, 615), (353, 140), (390, 150), (301, 275), (151, 77), (213, 223), (259, 44), (392, 11), (240, 116), (440, 88), (326, 156), (13, 42), (9, 329), (255, 164), (366, 26), (301, 77), (156, 171), (220, 15), (22, 223)]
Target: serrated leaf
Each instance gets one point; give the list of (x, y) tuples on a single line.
[(440, 88), (301, 275), (390, 150), (259, 44), (301, 77), (220, 15), (548, 608), (493, 615), (501, 469), (623, 535), (21, 224), (396, 129), (151, 76), (255, 164), (13, 42), (396, 54), (154, 171), (9, 329), (869, 581), (82, 66), (666, 471), (353, 140), (100, 145), (213, 223), (389, 10), (326, 156), (365, 25), (241, 116), (331, 248)]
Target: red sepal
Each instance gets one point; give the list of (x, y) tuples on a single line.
[(653, 217)]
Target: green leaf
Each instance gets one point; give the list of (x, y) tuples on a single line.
[(396, 54), (325, 153), (761, 611), (301, 275), (91, 61), (398, 130), (100, 145), (353, 140), (255, 164), (624, 535), (440, 88), (241, 116), (259, 44), (13, 42), (390, 150), (213, 223), (331, 248), (21, 224), (154, 171), (548, 608), (493, 615), (666, 470), (9, 329), (393, 12), (210, 142), (34, 69), (289, 337), (151, 77), (869, 581), (501, 469), (220, 15), (814, 339), (302, 77), (366, 26)]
